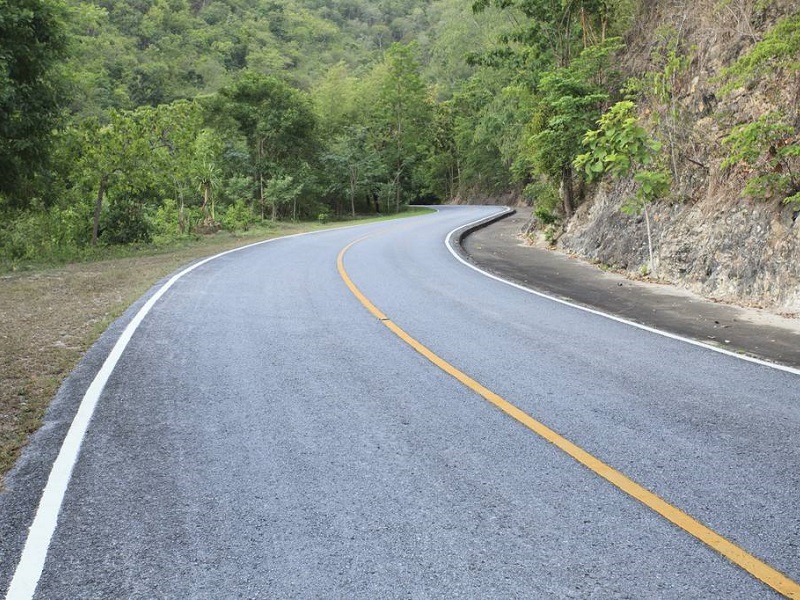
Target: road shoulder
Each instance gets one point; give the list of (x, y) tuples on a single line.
[(758, 333)]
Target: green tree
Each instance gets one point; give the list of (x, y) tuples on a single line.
[(138, 157), (351, 165), (569, 102), (277, 122), (206, 169), (553, 32), (400, 118), (558, 58), (32, 42)]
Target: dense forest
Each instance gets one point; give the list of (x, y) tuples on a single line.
[(146, 121)]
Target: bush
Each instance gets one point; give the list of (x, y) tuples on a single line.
[(166, 222), (545, 200), (237, 217), (770, 147), (46, 234), (125, 223)]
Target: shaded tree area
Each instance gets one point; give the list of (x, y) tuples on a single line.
[(32, 41)]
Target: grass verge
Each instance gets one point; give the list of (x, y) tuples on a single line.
[(50, 316)]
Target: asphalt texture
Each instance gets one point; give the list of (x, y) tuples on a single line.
[(264, 436), (498, 249)]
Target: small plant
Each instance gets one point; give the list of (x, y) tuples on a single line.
[(550, 234), (652, 185), (619, 147), (661, 87), (780, 49), (771, 147), (545, 200), (238, 217)]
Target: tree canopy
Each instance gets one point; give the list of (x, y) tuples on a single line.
[(146, 120), (32, 41)]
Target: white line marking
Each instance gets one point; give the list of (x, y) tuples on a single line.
[(31, 563), (450, 246)]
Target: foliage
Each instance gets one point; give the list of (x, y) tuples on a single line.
[(45, 233), (282, 191), (400, 118), (238, 217), (652, 186), (352, 168), (32, 41), (181, 116), (556, 29), (780, 49), (620, 147), (545, 200), (658, 90), (570, 100), (770, 146), (276, 120)]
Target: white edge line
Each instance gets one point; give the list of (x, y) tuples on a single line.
[(31, 563), (450, 246)]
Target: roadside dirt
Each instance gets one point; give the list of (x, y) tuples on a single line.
[(48, 319)]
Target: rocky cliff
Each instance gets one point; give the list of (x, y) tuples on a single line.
[(708, 235)]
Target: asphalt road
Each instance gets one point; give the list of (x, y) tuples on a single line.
[(264, 436)]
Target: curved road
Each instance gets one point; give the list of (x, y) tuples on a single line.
[(263, 435)]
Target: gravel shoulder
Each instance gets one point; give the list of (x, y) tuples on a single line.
[(498, 249)]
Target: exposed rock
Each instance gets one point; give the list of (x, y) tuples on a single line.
[(707, 236)]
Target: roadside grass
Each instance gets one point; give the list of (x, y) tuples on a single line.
[(51, 314)]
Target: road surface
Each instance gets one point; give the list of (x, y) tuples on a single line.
[(264, 435)]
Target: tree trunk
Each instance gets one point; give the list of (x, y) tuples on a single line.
[(651, 266), (397, 191), (353, 184), (98, 207), (567, 192), (261, 194), (206, 197)]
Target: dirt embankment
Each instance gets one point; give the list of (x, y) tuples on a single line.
[(708, 236)]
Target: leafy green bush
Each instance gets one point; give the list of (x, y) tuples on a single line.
[(45, 234), (125, 223), (619, 147), (545, 201), (780, 49), (237, 217), (166, 222), (771, 148)]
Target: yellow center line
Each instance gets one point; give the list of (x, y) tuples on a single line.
[(737, 555)]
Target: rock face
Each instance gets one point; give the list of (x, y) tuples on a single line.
[(707, 236)]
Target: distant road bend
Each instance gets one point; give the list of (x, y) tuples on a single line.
[(356, 413)]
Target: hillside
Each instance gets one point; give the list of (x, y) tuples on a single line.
[(716, 232)]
